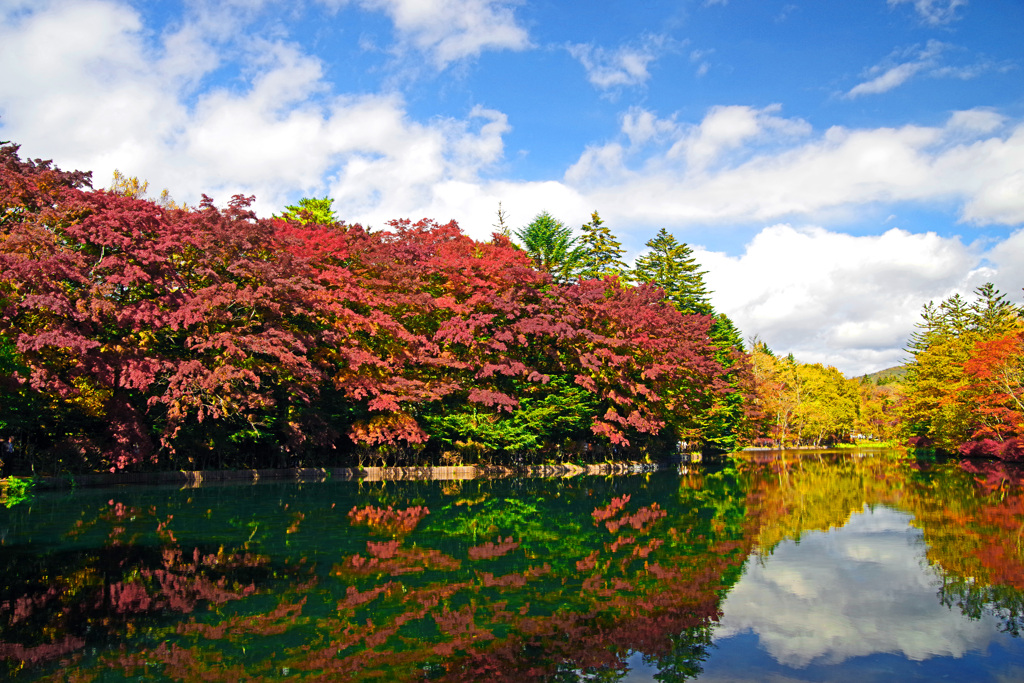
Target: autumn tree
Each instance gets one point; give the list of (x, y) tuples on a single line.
[(828, 405), (941, 407), (778, 393), (138, 335), (128, 186), (876, 414)]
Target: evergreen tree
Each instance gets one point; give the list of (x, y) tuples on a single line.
[(603, 252), (671, 266), (552, 247), (311, 211), (730, 422), (992, 313)]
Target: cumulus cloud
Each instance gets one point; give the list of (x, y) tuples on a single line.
[(625, 66), (934, 12), (852, 592), (742, 164), (83, 79), (449, 30), (835, 298), (726, 128)]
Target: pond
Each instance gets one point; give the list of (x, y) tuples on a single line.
[(821, 566)]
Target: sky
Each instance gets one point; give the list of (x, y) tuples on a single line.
[(833, 165)]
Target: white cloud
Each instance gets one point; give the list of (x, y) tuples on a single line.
[(451, 30), (626, 66), (838, 299), (725, 128), (113, 101), (853, 592), (748, 165), (934, 12), (903, 65), (887, 76), (642, 126)]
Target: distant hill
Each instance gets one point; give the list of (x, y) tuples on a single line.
[(887, 376)]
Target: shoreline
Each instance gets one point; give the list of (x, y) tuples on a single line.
[(196, 479)]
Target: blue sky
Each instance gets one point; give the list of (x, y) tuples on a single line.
[(834, 165)]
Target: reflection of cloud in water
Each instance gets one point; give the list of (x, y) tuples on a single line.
[(855, 591)]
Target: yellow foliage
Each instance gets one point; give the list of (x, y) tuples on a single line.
[(91, 398)]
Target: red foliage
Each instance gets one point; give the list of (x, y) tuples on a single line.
[(166, 331), (996, 390), (389, 522), (489, 551)]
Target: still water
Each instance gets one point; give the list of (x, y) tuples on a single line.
[(784, 566)]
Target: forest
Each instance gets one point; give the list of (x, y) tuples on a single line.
[(141, 334)]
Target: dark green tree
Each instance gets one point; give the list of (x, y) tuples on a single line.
[(730, 422), (671, 266), (603, 252), (552, 247)]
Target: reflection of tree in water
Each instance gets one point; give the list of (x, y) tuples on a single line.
[(978, 544), (522, 582), (971, 515), (53, 607), (975, 601)]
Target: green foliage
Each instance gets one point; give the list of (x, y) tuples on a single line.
[(671, 266), (14, 490), (730, 424), (546, 415), (498, 516), (311, 211), (551, 246), (602, 251)]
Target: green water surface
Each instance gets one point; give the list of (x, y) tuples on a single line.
[(754, 564)]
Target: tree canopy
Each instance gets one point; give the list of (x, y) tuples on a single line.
[(672, 266), (135, 335), (552, 247)]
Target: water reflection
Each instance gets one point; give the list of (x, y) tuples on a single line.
[(844, 560), (850, 592)]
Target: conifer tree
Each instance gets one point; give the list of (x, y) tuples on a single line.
[(603, 252), (552, 247), (992, 313), (671, 266)]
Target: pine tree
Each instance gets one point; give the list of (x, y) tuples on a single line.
[(603, 252), (552, 247), (992, 313), (671, 266)]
